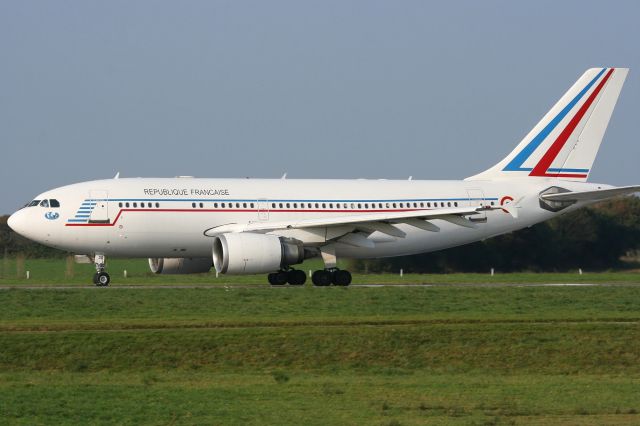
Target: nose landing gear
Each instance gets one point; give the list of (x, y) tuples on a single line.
[(101, 278)]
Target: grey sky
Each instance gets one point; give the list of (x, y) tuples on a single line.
[(342, 89)]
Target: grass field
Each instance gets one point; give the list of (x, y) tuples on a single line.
[(59, 271), (381, 356)]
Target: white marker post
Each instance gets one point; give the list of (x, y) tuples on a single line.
[(28, 274)]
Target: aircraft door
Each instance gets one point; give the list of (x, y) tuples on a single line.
[(100, 211), (263, 210), (476, 198)]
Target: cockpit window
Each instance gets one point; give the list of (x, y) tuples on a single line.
[(54, 203), (44, 203), (33, 203)]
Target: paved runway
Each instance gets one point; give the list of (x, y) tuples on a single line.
[(266, 286)]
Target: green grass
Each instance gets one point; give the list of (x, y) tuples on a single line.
[(381, 356), (55, 272)]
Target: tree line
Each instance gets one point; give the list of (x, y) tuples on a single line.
[(599, 237)]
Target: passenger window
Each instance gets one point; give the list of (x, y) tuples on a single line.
[(215, 205), (280, 205), (127, 205), (295, 205), (135, 205), (251, 205), (223, 205), (157, 205), (142, 205), (120, 205), (288, 205), (449, 204), (201, 205), (324, 206), (455, 204), (330, 205), (54, 203), (273, 205), (421, 204), (394, 205), (44, 203), (244, 205)]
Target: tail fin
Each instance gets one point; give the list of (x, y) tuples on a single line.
[(565, 142)]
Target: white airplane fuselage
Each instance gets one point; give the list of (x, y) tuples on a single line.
[(246, 226), (143, 217)]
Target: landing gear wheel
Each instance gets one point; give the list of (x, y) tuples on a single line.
[(322, 278), (95, 278), (341, 278), (103, 279), (296, 277), (278, 278)]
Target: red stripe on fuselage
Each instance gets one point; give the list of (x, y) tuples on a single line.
[(545, 162)]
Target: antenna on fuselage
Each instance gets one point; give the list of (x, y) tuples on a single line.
[(117, 176), (284, 176)]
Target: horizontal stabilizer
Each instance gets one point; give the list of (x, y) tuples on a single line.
[(600, 194)]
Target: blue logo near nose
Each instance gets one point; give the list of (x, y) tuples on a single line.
[(51, 215)]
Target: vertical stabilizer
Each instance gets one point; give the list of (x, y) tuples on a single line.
[(565, 142)]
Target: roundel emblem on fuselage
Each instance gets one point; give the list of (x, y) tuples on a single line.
[(51, 215), (507, 199)]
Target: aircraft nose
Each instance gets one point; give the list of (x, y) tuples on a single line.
[(17, 222)]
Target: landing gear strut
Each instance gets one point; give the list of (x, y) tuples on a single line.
[(100, 278)]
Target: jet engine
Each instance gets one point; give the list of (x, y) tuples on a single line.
[(180, 265), (251, 253)]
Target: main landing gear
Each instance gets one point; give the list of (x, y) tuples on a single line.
[(291, 276), (335, 276), (100, 278), (321, 278)]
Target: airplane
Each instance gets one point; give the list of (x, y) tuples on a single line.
[(252, 226)]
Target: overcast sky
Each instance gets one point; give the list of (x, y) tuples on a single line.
[(343, 89)]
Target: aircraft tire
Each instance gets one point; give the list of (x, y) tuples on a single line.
[(102, 279), (322, 278), (296, 277), (342, 278), (278, 278)]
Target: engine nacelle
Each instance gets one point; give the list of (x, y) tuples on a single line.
[(250, 253), (180, 265)]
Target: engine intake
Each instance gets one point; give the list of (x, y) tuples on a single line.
[(180, 265), (250, 253)]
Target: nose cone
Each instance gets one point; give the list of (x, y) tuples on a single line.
[(17, 222)]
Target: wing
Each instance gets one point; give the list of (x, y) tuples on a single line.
[(365, 224)]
